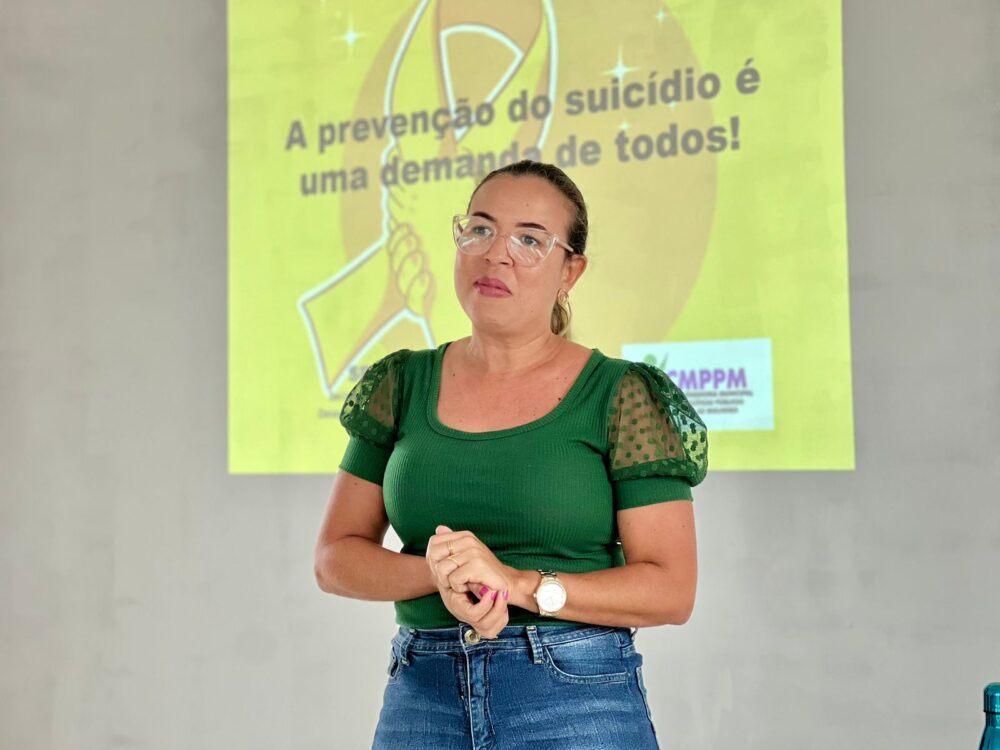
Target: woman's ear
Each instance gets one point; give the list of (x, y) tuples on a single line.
[(573, 269)]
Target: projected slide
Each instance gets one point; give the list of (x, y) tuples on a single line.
[(707, 138)]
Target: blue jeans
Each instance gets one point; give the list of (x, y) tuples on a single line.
[(534, 686)]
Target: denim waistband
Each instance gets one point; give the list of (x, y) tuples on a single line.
[(462, 638)]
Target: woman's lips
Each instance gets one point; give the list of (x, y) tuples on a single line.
[(490, 288)]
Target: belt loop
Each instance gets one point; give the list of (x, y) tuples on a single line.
[(624, 637), (405, 641), (635, 632), (536, 644)]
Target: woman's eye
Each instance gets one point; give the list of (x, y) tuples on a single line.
[(528, 241), (481, 230)]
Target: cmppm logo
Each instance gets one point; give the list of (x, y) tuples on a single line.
[(700, 379)]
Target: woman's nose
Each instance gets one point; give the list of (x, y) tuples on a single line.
[(498, 251)]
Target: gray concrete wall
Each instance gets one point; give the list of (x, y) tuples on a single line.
[(148, 600)]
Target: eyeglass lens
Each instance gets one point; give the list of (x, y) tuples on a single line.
[(475, 234)]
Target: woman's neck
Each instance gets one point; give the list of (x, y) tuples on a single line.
[(501, 358)]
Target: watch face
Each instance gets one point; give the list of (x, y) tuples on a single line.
[(551, 596)]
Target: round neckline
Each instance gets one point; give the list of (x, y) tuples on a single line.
[(435, 393)]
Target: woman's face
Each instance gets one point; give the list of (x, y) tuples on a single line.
[(526, 303)]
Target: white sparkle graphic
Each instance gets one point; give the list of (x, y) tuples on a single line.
[(620, 68), (625, 125), (351, 37), (660, 15)]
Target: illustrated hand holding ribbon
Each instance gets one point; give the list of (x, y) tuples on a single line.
[(474, 585), (408, 261)]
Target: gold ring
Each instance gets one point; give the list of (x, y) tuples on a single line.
[(454, 558), (451, 549)]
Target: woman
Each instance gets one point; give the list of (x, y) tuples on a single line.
[(541, 491)]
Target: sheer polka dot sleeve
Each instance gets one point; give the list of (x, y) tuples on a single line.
[(657, 443), (370, 416)]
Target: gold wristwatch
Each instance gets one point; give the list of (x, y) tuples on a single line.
[(549, 594)]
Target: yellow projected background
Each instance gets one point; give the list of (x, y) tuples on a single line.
[(706, 136)]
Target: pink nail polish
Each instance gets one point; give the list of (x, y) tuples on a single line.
[(483, 590), (495, 595), (505, 595)]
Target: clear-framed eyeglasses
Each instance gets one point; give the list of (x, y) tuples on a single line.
[(474, 235)]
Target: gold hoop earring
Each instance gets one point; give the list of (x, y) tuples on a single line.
[(563, 300)]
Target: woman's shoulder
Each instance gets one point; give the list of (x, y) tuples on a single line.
[(578, 348), (576, 356), (402, 359), (614, 368), (624, 378), (628, 374)]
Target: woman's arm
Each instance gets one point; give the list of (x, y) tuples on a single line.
[(350, 559), (655, 587)]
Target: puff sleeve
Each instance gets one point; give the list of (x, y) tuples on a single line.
[(657, 443), (370, 415)]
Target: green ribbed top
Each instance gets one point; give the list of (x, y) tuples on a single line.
[(539, 495)]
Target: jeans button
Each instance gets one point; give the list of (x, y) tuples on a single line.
[(471, 637)]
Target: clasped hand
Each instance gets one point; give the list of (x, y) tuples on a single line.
[(474, 585)]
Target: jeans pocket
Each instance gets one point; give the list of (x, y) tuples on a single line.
[(587, 661)]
